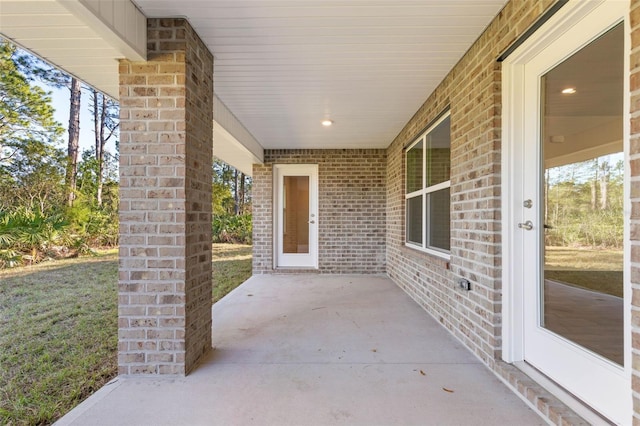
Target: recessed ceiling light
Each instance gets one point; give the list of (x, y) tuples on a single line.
[(327, 123), (569, 91)]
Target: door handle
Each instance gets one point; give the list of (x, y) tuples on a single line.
[(528, 225)]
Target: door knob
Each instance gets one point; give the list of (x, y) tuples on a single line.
[(528, 225)]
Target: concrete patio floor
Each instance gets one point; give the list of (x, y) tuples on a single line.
[(317, 350)]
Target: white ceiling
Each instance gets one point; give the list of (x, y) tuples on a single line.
[(282, 66)]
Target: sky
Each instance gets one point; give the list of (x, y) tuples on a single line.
[(60, 102), (60, 98)]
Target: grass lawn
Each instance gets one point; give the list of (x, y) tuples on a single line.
[(58, 330), (231, 267), (598, 270), (58, 336)]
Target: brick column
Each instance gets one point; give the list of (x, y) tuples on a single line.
[(166, 130)]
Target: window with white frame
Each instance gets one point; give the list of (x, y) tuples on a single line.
[(428, 166)]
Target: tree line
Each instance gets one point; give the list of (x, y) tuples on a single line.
[(56, 200), (585, 203), (231, 205)]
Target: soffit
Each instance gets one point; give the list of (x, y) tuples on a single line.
[(84, 37), (283, 66)]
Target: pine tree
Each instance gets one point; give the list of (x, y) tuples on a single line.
[(35, 68), (105, 122), (73, 146), (29, 159)]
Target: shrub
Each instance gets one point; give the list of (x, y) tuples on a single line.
[(30, 233), (9, 258), (29, 236), (232, 229), (101, 229), (96, 226)]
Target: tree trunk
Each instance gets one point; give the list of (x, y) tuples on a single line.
[(96, 136), (242, 194), (604, 191), (547, 188), (99, 123), (74, 140), (235, 193), (594, 185)]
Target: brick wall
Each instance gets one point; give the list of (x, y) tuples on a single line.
[(472, 91), (166, 119), (351, 214)]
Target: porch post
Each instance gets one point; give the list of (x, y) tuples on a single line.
[(166, 130)]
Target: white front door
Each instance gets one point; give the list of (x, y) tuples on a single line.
[(567, 222), (296, 215)]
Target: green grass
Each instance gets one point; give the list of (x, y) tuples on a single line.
[(58, 330), (594, 269), (231, 267), (569, 259), (58, 336)]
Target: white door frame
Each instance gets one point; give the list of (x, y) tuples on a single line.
[(281, 260), (513, 101)]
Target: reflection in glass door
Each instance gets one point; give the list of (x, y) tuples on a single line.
[(295, 214), (583, 186)]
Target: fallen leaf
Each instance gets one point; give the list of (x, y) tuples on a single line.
[(447, 390), (422, 372)]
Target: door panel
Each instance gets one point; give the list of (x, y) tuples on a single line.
[(582, 174), (571, 221), (296, 217)]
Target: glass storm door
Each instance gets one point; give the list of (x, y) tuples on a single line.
[(572, 215), (296, 215)]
